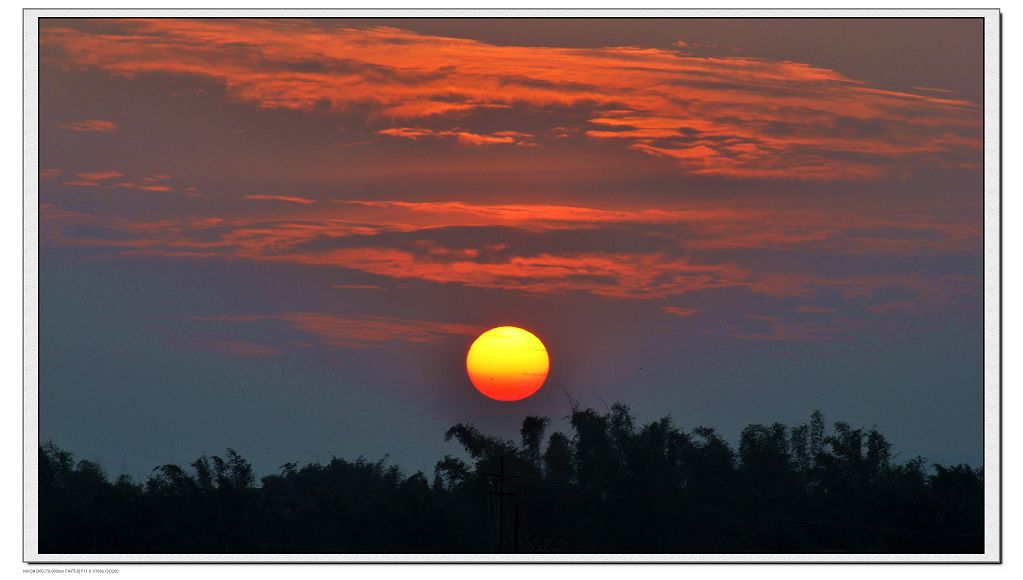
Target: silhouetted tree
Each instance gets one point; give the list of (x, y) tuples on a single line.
[(557, 459), (532, 439), (611, 485)]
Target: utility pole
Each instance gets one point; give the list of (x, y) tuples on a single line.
[(515, 537), (502, 493)]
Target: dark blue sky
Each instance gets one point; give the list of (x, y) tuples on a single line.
[(282, 236)]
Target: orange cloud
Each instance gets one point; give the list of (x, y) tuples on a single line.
[(94, 178), (628, 276), (97, 178), (361, 331), (719, 228), (284, 198), (531, 215), (732, 117), (679, 310), (100, 175), (463, 137), (656, 253), (90, 126), (143, 186)]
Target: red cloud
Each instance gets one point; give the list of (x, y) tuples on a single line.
[(722, 116), (143, 186), (398, 240), (90, 126), (463, 137), (457, 212), (97, 178), (360, 331), (100, 175), (679, 310), (93, 178), (284, 198), (626, 276)]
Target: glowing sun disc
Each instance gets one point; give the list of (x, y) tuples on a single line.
[(507, 363)]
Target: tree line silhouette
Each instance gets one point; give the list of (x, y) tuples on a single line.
[(607, 486)]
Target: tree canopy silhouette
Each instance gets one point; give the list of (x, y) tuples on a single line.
[(608, 486)]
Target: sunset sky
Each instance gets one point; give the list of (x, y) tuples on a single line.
[(282, 236)]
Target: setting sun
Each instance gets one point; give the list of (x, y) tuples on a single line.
[(507, 363)]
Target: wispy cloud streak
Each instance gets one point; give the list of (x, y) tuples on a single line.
[(354, 331), (90, 126), (734, 117), (636, 254)]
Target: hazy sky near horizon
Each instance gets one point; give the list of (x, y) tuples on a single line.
[(281, 236)]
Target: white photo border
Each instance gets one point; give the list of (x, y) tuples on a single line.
[(992, 288)]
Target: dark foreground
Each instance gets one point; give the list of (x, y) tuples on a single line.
[(610, 486)]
